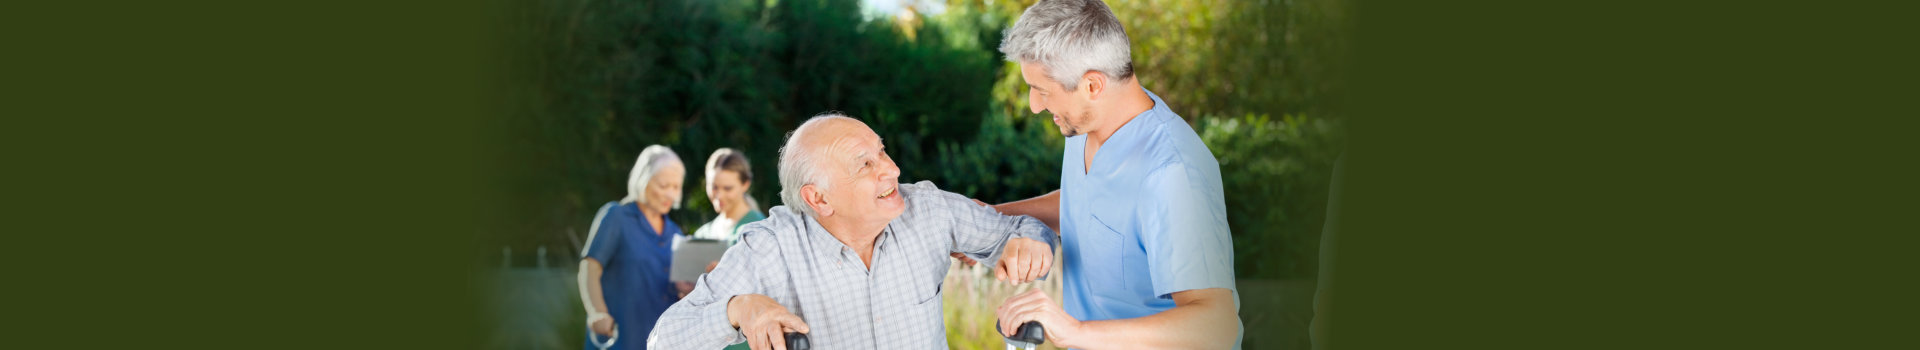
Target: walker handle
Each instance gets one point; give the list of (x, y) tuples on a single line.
[(798, 341), (1030, 332)]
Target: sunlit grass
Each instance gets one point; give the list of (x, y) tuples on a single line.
[(1275, 313)]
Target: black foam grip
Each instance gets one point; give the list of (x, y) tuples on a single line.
[(1029, 332), (797, 341)]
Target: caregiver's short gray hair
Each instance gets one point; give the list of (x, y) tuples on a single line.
[(799, 166), (1070, 38), (651, 161)]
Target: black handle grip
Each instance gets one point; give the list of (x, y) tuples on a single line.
[(797, 341), (1029, 332)]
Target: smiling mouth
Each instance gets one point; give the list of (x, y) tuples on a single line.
[(889, 192)]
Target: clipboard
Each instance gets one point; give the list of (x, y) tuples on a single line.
[(690, 261)]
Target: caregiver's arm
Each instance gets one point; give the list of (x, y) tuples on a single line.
[(1046, 207), (1200, 319), (1203, 319)]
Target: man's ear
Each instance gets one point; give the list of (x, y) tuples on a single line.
[(1096, 84), (816, 201)]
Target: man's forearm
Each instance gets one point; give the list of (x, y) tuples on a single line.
[(701, 321), (1208, 321), (1046, 207)]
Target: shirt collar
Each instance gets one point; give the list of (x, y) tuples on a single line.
[(825, 244), (671, 227), (1119, 144)]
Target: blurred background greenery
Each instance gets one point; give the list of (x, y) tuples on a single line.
[(595, 81)]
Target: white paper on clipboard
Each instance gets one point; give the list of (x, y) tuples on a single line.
[(693, 256)]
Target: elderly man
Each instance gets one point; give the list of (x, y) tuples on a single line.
[(1147, 257), (854, 259)]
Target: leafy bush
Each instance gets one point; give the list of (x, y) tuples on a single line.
[(1275, 173), (1002, 163)]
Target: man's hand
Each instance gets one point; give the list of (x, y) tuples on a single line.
[(601, 323), (1023, 260), (763, 321), (1035, 305)]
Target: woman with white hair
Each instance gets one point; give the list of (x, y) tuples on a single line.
[(623, 269)]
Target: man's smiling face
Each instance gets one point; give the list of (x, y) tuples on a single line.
[(864, 181)]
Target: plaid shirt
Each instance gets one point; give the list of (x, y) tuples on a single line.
[(893, 305)]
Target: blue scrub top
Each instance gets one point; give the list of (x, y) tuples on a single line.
[(1148, 219), (634, 264)]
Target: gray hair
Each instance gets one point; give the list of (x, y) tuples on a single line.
[(1070, 38), (651, 161), (799, 166)]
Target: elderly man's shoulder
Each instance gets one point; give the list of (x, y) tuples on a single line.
[(924, 198), (925, 191), (781, 222)]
